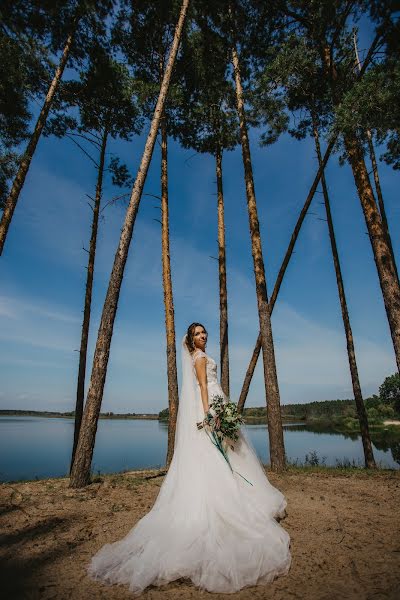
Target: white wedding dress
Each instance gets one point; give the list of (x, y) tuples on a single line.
[(207, 523)]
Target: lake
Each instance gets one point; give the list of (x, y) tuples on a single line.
[(38, 447)]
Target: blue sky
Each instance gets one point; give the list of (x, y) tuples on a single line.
[(43, 276)]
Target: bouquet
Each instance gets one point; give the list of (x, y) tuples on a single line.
[(225, 419), (222, 424)]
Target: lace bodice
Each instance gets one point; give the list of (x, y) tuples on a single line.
[(211, 366)]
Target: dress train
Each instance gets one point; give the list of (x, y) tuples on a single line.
[(207, 523)]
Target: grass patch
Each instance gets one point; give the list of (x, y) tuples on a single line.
[(313, 463)]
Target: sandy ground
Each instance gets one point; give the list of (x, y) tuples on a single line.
[(345, 531)]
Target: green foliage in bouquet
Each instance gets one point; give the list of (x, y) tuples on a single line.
[(221, 424), (227, 419)]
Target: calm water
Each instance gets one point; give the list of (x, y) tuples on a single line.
[(35, 447)]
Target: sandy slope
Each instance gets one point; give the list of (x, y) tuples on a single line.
[(345, 532)]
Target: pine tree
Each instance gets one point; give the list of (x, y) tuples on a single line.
[(76, 23), (144, 32), (288, 75), (80, 474), (321, 38), (206, 122), (361, 410), (24, 61), (105, 98), (275, 429)]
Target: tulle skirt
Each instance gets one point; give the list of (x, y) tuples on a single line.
[(207, 524)]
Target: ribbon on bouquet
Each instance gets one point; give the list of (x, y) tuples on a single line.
[(217, 443)]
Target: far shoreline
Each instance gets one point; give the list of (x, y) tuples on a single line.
[(70, 415), (324, 421), (250, 420)]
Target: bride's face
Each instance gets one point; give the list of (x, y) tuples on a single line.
[(200, 337)]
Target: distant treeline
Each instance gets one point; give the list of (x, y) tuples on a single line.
[(343, 411), (340, 413), (324, 409), (71, 414), (306, 412)]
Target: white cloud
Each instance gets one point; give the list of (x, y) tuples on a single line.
[(36, 323), (7, 310), (311, 360), (16, 308), (26, 362), (315, 353)]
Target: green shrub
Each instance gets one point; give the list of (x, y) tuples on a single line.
[(351, 423), (163, 415), (386, 411), (389, 391), (373, 415), (313, 460), (350, 411), (372, 402)]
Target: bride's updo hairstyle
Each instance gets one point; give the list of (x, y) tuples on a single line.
[(190, 333)]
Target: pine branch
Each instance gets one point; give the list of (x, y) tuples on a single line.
[(83, 150)]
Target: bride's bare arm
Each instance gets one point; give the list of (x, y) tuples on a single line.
[(201, 372)]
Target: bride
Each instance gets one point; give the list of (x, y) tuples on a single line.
[(208, 523)]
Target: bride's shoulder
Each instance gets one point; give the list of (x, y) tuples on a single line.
[(198, 354)]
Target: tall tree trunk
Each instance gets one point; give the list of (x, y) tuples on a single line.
[(378, 236), (23, 169), (379, 241), (282, 271), (362, 413), (275, 430), (257, 348), (379, 195), (223, 293), (173, 396), (80, 474), (80, 391), (375, 171), (249, 374)]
